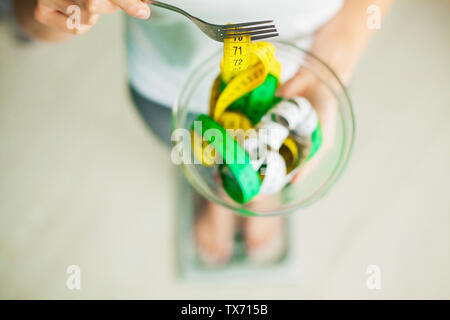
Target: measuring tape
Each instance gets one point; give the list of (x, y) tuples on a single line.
[(256, 150), (273, 173), (236, 56), (303, 105), (239, 179), (307, 126), (243, 96), (316, 142), (202, 150), (262, 99), (291, 154), (272, 134), (286, 113), (274, 154), (234, 120), (309, 120), (301, 119), (244, 67)]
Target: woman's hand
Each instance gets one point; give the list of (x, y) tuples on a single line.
[(340, 43), (58, 20), (57, 13), (305, 84)]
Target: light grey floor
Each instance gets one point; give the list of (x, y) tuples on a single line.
[(82, 181)]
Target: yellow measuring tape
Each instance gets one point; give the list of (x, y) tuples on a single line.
[(236, 56), (290, 152), (241, 97), (202, 150), (244, 67), (234, 120)]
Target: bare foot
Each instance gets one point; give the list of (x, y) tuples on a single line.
[(214, 233), (264, 238)]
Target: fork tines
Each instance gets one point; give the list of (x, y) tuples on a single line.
[(258, 30)]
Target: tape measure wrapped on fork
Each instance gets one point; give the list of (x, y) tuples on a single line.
[(248, 80), (243, 96), (257, 29)]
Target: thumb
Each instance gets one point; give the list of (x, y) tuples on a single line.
[(297, 85), (135, 8)]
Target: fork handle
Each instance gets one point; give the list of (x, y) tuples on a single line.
[(168, 7)]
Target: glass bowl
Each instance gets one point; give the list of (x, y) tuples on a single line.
[(195, 96)]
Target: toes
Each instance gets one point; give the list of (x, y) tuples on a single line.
[(214, 233), (264, 239), (211, 254), (212, 250), (256, 240)]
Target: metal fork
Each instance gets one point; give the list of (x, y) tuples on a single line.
[(258, 29)]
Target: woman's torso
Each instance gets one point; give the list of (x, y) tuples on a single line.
[(164, 50)]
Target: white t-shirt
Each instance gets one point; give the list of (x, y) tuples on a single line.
[(163, 50)]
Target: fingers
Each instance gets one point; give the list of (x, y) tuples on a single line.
[(70, 8), (308, 168), (298, 84), (97, 6), (326, 108), (73, 16), (78, 16), (135, 8), (305, 84), (59, 5), (55, 19)]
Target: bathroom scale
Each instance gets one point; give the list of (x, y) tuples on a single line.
[(190, 267)]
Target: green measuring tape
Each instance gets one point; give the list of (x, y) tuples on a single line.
[(316, 142), (258, 102), (240, 180)]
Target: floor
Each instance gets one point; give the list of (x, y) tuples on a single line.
[(82, 182)]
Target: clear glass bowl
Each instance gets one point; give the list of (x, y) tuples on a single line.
[(195, 96)]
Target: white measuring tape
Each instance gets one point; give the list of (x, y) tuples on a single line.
[(285, 113), (272, 134), (280, 164), (256, 150), (309, 119), (273, 173)]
